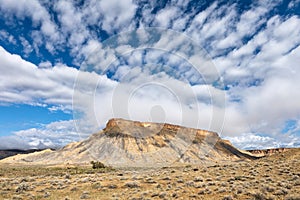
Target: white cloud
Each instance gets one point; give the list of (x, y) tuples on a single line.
[(247, 25), (5, 36), (39, 15), (201, 17), (272, 102), (27, 48), (46, 64), (13, 142), (293, 4), (73, 26), (25, 83), (19, 83), (53, 135), (165, 17), (116, 14), (252, 141)]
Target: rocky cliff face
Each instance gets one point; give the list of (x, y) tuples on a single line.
[(125, 143)]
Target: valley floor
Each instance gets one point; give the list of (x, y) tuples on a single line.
[(274, 177)]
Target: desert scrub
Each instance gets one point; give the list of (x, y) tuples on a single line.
[(132, 184), (259, 196), (97, 165), (292, 198), (22, 187)]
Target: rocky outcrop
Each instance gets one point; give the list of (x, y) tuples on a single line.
[(125, 143), (268, 152)]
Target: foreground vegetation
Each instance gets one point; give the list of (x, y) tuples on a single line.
[(275, 177)]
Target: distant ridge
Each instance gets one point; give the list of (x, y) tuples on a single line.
[(268, 152), (4, 153), (125, 143)]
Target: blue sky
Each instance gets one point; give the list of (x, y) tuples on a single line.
[(21, 116), (54, 58)]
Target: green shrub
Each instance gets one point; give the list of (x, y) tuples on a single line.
[(97, 165)]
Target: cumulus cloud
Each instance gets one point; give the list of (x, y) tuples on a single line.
[(166, 16), (73, 26), (19, 83), (27, 48), (5, 36), (46, 64), (293, 4), (116, 14), (252, 141), (53, 135), (39, 15)]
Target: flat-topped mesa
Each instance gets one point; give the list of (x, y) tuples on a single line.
[(119, 121), (127, 128), (125, 143), (116, 122)]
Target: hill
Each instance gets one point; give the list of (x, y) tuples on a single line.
[(4, 153)]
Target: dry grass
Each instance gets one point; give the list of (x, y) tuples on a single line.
[(275, 177)]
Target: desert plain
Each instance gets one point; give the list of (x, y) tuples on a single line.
[(272, 177)]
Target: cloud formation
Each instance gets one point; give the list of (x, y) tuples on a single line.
[(24, 82), (53, 135), (254, 51)]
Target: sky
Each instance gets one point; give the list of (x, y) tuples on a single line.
[(66, 67)]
